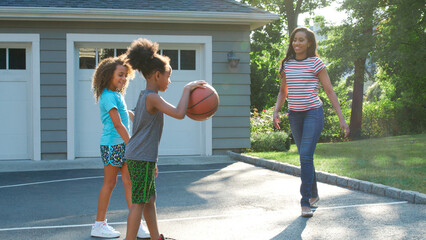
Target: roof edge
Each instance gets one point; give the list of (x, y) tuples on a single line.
[(255, 20)]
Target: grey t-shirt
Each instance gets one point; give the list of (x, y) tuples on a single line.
[(147, 130)]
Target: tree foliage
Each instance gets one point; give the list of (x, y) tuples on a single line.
[(401, 55), (390, 36)]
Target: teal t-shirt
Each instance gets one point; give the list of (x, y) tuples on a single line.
[(109, 100)]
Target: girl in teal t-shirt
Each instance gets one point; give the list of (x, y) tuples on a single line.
[(109, 84)]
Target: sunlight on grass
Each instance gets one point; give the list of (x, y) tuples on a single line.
[(395, 161)]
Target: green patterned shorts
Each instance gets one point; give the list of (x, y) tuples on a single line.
[(143, 180)]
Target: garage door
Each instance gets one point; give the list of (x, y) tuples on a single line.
[(15, 75), (180, 137)]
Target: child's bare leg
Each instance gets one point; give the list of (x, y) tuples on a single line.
[(127, 184), (134, 220), (150, 214), (110, 179)]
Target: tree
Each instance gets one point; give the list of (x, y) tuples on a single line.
[(401, 54), (391, 35), (348, 48)]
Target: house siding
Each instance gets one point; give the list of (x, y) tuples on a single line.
[(231, 124)]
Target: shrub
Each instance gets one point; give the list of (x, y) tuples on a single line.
[(389, 115), (263, 135), (262, 122), (378, 119), (271, 141)]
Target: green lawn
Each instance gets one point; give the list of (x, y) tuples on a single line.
[(395, 161)]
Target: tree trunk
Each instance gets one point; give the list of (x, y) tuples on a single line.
[(357, 99), (292, 13)]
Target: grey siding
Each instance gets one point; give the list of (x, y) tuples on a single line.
[(231, 124)]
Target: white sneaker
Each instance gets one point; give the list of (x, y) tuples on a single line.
[(104, 231), (143, 232)]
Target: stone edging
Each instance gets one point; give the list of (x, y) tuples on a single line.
[(350, 183)]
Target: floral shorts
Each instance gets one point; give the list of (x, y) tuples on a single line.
[(113, 154)]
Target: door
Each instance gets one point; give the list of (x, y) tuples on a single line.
[(15, 104)]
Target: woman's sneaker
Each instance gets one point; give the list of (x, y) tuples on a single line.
[(103, 230), (143, 232)]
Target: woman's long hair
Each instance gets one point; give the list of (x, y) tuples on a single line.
[(312, 49), (104, 73)]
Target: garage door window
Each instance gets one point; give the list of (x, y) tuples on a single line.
[(13, 58), (90, 57), (181, 59), (187, 59)]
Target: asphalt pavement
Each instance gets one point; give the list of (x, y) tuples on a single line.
[(212, 198)]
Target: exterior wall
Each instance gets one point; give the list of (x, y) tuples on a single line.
[(231, 124)]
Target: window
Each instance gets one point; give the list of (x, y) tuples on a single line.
[(2, 58), (90, 57), (121, 51), (87, 57), (13, 58), (105, 53), (181, 59), (173, 55), (187, 59)]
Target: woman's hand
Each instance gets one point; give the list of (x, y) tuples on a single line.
[(345, 128), (276, 119), (156, 171), (196, 84)]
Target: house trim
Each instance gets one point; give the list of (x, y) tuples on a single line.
[(34, 39), (72, 39), (255, 20)]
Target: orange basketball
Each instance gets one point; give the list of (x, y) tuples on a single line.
[(203, 103)]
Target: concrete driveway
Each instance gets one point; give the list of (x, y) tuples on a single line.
[(215, 198)]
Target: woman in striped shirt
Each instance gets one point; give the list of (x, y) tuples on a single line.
[(301, 71)]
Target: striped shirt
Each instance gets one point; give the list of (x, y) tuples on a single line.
[(303, 83)]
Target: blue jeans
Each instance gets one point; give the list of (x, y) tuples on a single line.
[(306, 128)]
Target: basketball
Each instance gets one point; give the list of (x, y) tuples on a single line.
[(203, 103)]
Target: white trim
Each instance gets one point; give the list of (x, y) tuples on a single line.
[(206, 41), (255, 20), (34, 39)]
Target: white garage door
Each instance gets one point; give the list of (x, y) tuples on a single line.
[(180, 137), (15, 74)]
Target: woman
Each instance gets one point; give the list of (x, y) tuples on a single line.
[(301, 71)]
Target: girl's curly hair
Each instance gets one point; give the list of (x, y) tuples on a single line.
[(143, 56), (104, 73)]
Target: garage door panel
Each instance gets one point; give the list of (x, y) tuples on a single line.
[(90, 130), (85, 91), (13, 91), (87, 147), (15, 121), (132, 94), (178, 137), (14, 146), (14, 125)]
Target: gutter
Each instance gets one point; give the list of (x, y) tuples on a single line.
[(255, 20)]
